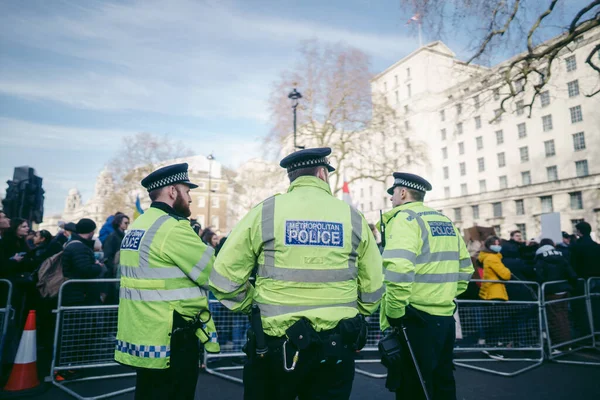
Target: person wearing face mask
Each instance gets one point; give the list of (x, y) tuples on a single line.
[(494, 270)]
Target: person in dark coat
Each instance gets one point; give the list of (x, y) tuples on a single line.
[(79, 263), (564, 246), (14, 249), (112, 244), (57, 244), (550, 266), (520, 271), (41, 250), (585, 254)]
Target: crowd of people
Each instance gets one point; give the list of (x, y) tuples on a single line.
[(499, 263), (82, 255)]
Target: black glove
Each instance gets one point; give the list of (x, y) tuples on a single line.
[(390, 349), (395, 322)]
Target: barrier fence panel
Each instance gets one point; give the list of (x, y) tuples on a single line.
[(231, 329), (85, 336), (370, 353), (5, 309), (495, 332), (593, 288), (569, 323)]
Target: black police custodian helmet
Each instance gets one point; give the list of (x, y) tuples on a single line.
[(307, 158), (167, 176), (410, 181)]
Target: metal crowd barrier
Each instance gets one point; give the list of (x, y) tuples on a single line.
[(593, 289), (569, 320), (231, 330), (85, 338), (5, 310), (370, 353), (493, 333)]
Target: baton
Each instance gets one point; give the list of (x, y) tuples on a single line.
[(412, 355)]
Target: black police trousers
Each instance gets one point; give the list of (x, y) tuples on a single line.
[(432, 340), (312, 379), (180, 379)]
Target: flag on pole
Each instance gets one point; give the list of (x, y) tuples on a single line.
[(346, 193), (414, 18), (138, 208)]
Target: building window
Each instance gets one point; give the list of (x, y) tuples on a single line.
[(407, 73), (522, 129), (520, 108), (396, 79), (523, 229), (526, 178), (458, 109), (463, 169), (476, 100), (501, 160), (463, 189), (447, 192), (201, 201), (475, 210), (573, 88), (362, 192), (479, 142), (443, 131), (545, 98), (552, 173), (481, 164), (547, 122), (549, 146), (499, 137), (571, 63), (547, 206), (478, 122), (457, 214), (461, 148), (497, 230), (406, 109), (370, 190), (519, 85), (444, 153), (520, 206), (459, 128), (482, 186), (214, 221), (576, 201), (201, 185), (397, 97), (574, 223), (446, 173), (498, 114), (215, 186), (497, 209), (503, 181), (524, 152), (385, 86), (214, 202), (407, 125), (408, 90), (576, 115), (582, 168), (371, 205), (579, 141), (497, 94), (442, 115)]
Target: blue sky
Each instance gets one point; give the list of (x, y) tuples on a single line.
[(78, 76)]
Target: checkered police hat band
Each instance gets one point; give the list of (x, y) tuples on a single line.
[(169, 180), (314, 162), (408, 184)]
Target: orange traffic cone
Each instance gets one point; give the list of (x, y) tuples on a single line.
[(24, 373)]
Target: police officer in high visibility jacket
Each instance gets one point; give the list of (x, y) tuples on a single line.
[(163, 307), (426, 266), (318, 273)]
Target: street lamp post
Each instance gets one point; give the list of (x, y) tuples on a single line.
[(210, 159), (295, 96)]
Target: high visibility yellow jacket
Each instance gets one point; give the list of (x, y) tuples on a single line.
[(164, 268), (316, 258), (426, 262)]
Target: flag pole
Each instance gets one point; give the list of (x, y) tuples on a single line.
[(420, 37)]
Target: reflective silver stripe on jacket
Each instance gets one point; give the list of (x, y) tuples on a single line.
[(224, 283), (398, 277), (371, 297), (268, 231), (161, 294), (269, 270), (440, 278), (307, 275), (272, 310), (465, 262), (201, 265), (234, 301), (151, 273), (400, 253)]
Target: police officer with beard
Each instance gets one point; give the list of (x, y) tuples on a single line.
[(163, 307)]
